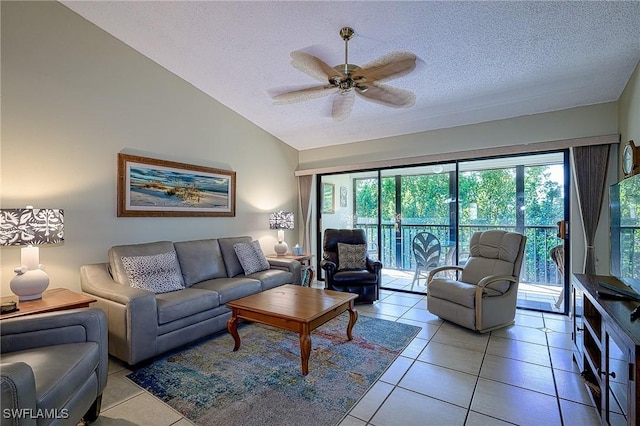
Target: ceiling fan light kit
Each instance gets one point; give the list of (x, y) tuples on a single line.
[(347, 80)]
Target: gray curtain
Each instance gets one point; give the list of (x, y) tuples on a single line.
[(590, 164), (304, 189)]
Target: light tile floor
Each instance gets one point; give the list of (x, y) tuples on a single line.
[(523, 374)]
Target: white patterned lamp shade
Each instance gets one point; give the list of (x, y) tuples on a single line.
[(30, 227), (281, 221)]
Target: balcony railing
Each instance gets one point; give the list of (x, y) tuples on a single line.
[(397, 253)]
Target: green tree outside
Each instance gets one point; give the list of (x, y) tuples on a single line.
[(485, 198)]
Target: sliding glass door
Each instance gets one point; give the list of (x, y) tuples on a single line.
[(525, 194), (415, 200), (452, 201)]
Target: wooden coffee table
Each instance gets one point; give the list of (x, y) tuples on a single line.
[(294, 308)]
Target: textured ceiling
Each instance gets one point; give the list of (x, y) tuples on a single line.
[(477, 61)]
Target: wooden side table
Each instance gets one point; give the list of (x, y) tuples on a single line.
[(305, 263), (56, 299)]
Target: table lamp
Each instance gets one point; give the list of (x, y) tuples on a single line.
[(30, 227), (281, 221)]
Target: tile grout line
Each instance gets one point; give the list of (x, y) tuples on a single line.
[(395, 386), (553, 373)]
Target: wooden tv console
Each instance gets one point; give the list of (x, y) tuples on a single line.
[(607, 348)]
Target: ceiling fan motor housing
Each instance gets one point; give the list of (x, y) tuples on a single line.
[(350, 81)]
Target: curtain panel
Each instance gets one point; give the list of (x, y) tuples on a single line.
[(304, 189), (590, 168)]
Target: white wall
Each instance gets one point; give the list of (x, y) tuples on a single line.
[(341, 218), (73, 97)]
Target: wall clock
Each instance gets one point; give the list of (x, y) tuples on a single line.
[(630, 159)]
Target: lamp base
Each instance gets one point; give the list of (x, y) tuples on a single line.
[(30, 285), (281, 248)]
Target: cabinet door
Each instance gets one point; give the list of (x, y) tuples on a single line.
[(616, 382), (577, 334)]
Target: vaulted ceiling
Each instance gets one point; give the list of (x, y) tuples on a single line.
[(477, 61)]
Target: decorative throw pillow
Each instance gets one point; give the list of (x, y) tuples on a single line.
[(352, 256), (251, 257), (158, 273)]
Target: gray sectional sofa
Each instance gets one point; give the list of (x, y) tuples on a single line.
[(145, 323)]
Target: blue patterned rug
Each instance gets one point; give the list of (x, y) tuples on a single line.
[(262, 384)]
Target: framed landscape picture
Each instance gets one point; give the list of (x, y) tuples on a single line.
[(151, 187)]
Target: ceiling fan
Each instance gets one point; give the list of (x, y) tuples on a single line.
[(347, 80)]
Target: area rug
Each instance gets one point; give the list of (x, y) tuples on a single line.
[(262, 384)]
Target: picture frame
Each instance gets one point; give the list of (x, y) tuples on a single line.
[(328, 198), (343, 196), (150, 187)]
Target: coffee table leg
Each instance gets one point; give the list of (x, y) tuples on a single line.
[(305, 348), (353, 317), (232, 327)]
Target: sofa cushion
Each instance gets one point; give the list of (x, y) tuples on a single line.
[(492, 252), (352, 256), (158, 273), (271, 278), (251, 257), (231, 288), (200, 260), (478, 268), (179, 304), (117, 252), (457, 292), (229, 254), (496, 244), (359, 277), (57, 369)]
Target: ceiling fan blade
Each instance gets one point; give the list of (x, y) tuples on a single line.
[(343, 105), (387, 67), (388, 95), (304, 94), (313, 66)]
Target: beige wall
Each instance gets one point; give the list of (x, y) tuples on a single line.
[(73, 97), (629, 112), (593, 120)]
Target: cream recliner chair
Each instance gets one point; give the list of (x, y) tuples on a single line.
[(484, 297)]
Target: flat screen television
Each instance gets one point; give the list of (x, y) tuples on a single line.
[(624, 210)]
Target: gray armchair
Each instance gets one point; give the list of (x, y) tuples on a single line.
[(484, 298), (53, 367)]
